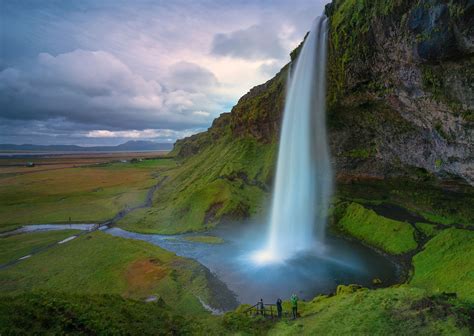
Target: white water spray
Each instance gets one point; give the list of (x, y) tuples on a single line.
[(303, 182)]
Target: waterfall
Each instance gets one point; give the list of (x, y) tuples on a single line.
[(303, 181)]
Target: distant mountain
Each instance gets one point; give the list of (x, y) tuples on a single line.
[(127, 146)]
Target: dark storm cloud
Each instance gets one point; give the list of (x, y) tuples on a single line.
[(190, 76), (94, 87), (95, 71), (255, 42)]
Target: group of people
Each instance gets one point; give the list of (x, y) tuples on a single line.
[(279, 305)]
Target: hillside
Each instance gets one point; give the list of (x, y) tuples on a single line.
[(399, 113), (401, 133)]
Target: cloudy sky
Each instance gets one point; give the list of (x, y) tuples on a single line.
[(103, 72)]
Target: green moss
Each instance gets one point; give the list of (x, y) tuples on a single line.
[(228, 179), (422, 196), (447, 264), (390, 311), (435, 81), (360, 153), (386, 234), (350, 26), (439, 128), (343, 289), (428, 230)]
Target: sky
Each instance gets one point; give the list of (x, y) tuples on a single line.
[(104, 72)]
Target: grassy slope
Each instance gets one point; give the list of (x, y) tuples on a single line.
[(98, 263), (222, 180), (85, 194), (386, 234), (390, 311), (34, 313), (446, 264), (424, 196), (429, 230), (14, 247)]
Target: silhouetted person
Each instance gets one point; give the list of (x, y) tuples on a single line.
[(294, 305), (279, 307), (262, 307)]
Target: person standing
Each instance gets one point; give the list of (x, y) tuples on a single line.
[(262, 307), (279, 307), (294, 305)]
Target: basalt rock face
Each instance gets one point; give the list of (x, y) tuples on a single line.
[(400, 92), (401, 88)]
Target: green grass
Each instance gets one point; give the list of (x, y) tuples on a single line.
[(98, 263), (390, 311), (225, 180), (420, 195), (386, 234), (143, 164), (206, 239), (88, 194), (14, 247), (446, 264), (429, 230), (60, 313)]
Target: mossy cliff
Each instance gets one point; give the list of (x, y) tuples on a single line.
[(400, 87), (224, 173), (400, 105)]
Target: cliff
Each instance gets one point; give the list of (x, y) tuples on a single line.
[(400, 91), (400, 118), (400, 87)]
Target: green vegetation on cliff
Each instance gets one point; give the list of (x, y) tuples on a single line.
[(351, 22), (390, 311), (441, 202), (388, 235), (228, 179), (224, 173), (446, 264)]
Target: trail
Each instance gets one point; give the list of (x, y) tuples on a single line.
[(98, 226)]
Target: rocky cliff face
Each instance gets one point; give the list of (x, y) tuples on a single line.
[(400, 89), (400, 116)]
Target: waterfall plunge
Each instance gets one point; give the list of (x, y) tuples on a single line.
[(303, 182)]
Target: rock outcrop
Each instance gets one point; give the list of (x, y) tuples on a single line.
[(400, 92), (405, 68)]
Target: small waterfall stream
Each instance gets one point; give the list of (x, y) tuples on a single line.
[(303, 180)]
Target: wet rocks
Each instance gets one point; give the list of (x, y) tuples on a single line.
[(443, 30)]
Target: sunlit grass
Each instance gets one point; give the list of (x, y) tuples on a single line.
[(446, 264), (88, 194), (386, 234), (17, 246)]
